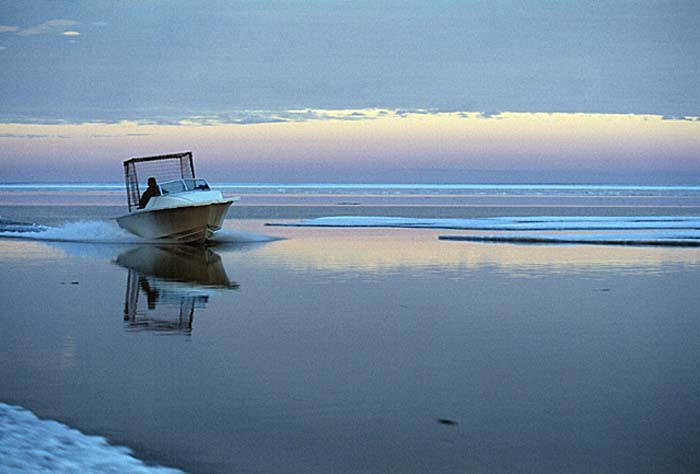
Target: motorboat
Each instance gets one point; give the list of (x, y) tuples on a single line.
[(176, 206)]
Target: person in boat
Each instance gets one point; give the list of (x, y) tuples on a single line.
[(151, 190)]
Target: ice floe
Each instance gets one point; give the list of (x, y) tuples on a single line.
[(508, 223), (652, 230)]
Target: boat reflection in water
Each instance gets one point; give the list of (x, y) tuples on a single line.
[(166, 284)]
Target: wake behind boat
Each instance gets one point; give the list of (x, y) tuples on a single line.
[(175, 206)]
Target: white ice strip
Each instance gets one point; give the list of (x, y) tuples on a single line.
[(29, 445), (508, 223), (665, 239)]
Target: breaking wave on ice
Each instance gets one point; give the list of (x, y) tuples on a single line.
[(29, 445)]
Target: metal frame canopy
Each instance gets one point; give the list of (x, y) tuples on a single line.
[(162, 167)]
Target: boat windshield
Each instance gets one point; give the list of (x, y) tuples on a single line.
[(182, 185), (196, 185)]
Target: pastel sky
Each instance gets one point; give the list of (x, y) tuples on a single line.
[(440, 91)]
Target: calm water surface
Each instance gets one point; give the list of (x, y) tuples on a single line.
[(361, 351)]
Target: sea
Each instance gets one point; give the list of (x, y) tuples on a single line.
[(354, 328)]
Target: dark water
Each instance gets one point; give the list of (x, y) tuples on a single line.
[(360, 351)]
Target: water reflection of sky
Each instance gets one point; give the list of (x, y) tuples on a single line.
[(390, 250), (24, 251), (344, 348), (395, 250)]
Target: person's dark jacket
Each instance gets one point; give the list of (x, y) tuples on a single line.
[(147, 195)]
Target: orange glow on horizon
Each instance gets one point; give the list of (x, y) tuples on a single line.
[(373, 139)]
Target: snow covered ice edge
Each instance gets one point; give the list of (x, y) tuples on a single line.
[(29, 445)]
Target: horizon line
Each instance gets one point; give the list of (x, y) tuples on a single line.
[(252, 116)]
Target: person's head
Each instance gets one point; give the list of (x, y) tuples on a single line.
[(152, 182)]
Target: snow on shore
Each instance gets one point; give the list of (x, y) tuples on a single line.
[(29, 445)]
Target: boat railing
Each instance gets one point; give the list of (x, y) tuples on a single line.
[(162, 167)]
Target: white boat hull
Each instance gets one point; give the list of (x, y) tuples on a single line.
[(193, 223)]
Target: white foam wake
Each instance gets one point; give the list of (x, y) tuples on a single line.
[(108, 232), (508, 223), (29, 445), (80, 231)]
